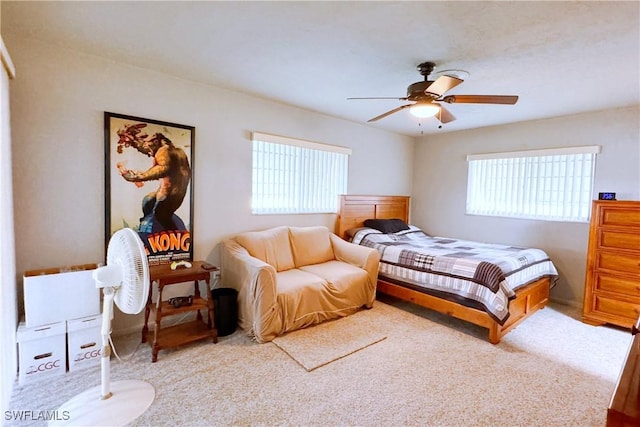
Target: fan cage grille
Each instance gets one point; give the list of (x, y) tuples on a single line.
[(127, 251)]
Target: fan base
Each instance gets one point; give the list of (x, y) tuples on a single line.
[(130, 399)]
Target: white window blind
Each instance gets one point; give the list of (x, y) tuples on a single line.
[(553, 184), (297, 176)]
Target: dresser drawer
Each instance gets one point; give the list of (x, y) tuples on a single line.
[(607, 283), (619, 216), (623, 263), (617, 308), (619, 239)]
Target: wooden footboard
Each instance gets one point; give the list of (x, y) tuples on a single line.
[(529, 299)]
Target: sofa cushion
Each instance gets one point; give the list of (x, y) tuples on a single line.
[(271, 246), (296, 281), (306, 299), (301, 299), (342, 278), (310, 245)]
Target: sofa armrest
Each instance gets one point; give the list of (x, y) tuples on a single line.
[(255, 281), (360, 256)]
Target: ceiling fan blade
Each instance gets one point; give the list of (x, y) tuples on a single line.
[(481, 99), (382, 97), (442, 85), (445, 115), (388, 113)]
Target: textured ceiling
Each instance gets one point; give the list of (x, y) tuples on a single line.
[(559, 57)]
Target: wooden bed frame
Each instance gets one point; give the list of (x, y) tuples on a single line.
[(355, 209)]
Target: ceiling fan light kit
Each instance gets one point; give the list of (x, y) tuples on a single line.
[(426, 95), (423, 110)]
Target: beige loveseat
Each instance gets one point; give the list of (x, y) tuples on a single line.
[(291, 277)]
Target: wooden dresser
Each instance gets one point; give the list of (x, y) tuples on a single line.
[(612, 282)]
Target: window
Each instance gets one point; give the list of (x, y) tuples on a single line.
[(554, 184), (296, 176)]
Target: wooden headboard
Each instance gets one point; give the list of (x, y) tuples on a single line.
[(355, 209)]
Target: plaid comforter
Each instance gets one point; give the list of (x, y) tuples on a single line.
[(487, 274)]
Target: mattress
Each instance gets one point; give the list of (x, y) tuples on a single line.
[(479, 275)]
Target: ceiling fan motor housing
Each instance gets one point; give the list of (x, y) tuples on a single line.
[(417, 92)]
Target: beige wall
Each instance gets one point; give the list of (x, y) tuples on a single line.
[(57, 103), (440, 174)]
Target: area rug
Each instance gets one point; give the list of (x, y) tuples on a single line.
[(327, 342)]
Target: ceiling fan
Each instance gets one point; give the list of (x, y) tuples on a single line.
[(427, 96)]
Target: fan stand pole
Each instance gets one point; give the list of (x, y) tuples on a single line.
[(105, 360)]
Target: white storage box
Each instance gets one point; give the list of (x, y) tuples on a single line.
[(42, 351), (60, 294), (84, 342)]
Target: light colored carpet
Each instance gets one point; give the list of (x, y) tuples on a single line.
[(553, 370), (327, 342)]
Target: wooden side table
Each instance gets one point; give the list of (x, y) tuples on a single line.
[(182, 333)]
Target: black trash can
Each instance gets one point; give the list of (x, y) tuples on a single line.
[(225, 310)]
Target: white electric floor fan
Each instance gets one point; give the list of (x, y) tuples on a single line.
[(125, 280)]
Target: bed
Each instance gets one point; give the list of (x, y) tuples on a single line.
[(515, 296)]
